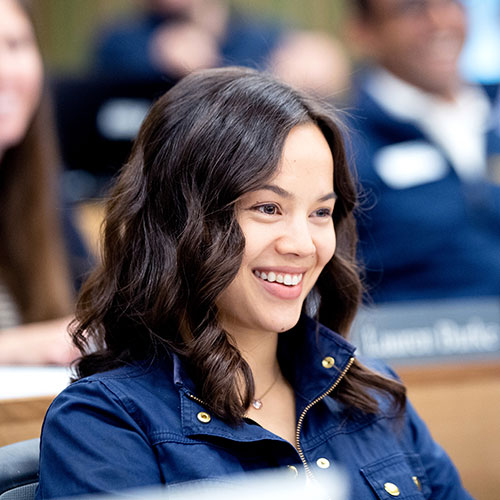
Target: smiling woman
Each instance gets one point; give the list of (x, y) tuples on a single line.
[(214, 333)]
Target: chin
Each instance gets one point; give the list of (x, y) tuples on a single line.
[(286, 324)]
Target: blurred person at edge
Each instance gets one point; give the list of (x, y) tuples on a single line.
[(174, 37), (422, 141), (35, 287)]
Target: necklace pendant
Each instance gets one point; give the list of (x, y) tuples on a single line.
[(257, 404)]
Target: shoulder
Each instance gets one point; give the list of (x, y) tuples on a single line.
[(131, 392), (125, 27)]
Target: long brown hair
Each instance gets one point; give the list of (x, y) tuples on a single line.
[(33, 263), (172, 244)]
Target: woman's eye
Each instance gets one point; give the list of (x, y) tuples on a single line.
[(267, 209), (323, 212)]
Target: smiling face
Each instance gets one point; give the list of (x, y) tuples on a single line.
[(418, 40), (20, 74), (289, 238)]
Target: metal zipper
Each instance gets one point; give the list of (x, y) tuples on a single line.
[(198, 400), (300, 421)]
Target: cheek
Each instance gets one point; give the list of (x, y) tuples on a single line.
[(35, 83), (330, 248), (404, 37), (325, 248), (30, 77), (257, 240), (459, 23)]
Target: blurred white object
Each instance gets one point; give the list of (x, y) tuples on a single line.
[(32, 381), (264, 485), (480, 60)]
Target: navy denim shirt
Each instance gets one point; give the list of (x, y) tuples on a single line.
[(143, 425)]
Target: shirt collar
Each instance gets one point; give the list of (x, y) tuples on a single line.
[(301, 352), (311, 356), (458, 127)]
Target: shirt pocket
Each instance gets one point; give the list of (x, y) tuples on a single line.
[(400, 476)]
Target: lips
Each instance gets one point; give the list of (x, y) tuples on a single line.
[(280, 283)]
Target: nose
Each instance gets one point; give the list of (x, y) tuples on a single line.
[(296, 239)]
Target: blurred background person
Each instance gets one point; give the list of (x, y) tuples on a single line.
[(139, 56), (36, 292), (174, 37), (313, 61), (421, 141)]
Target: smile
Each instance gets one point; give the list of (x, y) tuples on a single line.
[(282, 278)]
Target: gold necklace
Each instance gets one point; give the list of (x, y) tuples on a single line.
[(257, 402)]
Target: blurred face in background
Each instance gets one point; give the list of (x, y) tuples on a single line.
[(418, 40), (21, 74)]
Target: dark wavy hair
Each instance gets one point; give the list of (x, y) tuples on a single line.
[(172, 244)]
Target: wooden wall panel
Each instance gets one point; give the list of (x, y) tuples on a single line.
[(461, 406)]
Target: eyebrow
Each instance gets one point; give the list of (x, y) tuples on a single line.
[(285, 194)]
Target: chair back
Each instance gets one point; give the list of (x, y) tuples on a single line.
[(19, 470)]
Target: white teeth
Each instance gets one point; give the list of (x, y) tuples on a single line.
[(285, 279)]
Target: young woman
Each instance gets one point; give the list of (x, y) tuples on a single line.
[(35, 287), (208, 333)]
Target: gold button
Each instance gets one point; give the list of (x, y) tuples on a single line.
[(203, 417), (392, 489), (293, 470), (323, 463), (328, 362), (417, 482)]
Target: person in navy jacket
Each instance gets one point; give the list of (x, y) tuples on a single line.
[(213, 334), (425, 150), (170, 38)]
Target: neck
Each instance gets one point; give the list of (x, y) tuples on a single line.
[(260, 352)]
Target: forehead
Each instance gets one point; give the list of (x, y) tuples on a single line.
[(13, 19), (306, 140), (306, 157)]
